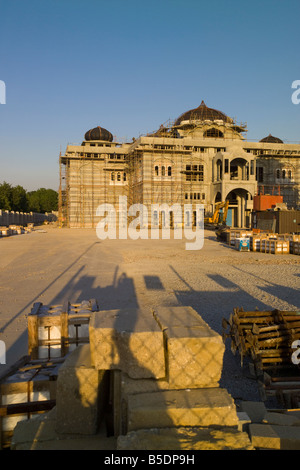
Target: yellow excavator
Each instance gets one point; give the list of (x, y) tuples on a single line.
[(216, 219)]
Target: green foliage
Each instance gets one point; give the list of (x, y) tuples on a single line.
[(16, 198)]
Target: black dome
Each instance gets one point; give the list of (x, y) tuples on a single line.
[(271, 139), (203, 113), (98, 133)]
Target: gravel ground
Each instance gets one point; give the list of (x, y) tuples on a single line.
[(55, 265)]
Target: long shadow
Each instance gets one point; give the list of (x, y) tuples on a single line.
[(29, 304), (212, 306), (13, 351), (288, 294)]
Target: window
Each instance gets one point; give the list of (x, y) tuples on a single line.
[(283, 174), (163, 171), (201, 173), (194, 173), (124, 176), (213, 133), (118, 176), (169, 171), (260, 174), (156, 171), (278, 174), (112, 176)]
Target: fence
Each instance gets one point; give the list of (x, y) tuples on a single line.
[(22, 218)]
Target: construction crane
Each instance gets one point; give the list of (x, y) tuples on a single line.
[(215, 219)]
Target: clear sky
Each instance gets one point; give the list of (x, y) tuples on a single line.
[(131, 65)]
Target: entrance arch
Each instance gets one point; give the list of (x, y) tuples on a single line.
[(240, 207)]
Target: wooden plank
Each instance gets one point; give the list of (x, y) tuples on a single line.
[(29, 407)]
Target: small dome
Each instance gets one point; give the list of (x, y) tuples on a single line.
[(98, 133), (203, 113), (272, 140)]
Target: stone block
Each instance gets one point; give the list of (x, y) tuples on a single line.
[(184, 439), (256, 410), (81, 394), (129, 340), (275, 437), (173, 408), (194, 352)]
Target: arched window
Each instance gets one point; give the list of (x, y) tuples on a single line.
[(156, 170), (169, 171), (213, 132), (278, 174), (118, 176), (124, 176), (112, 176)]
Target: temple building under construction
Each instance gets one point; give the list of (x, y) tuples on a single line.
[(202, 157)]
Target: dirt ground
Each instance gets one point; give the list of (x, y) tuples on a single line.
[(52, 265)]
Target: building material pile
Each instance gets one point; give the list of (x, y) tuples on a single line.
[(26, 390), (55, 330), (142, 372), (264, 242), (268, 339)]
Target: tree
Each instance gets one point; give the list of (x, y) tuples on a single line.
[(5, 196), (16, 198), (43, 200), (19, 199)]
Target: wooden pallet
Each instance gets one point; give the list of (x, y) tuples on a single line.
[(26, 389), (55, 330)]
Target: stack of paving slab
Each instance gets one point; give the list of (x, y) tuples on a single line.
[(152, 377)]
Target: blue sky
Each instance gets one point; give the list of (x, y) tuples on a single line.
[(129, 66)]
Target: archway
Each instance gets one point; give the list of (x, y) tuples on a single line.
[(239, 210)]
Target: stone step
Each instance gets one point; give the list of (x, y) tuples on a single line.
[(173, 408), (275, 437)]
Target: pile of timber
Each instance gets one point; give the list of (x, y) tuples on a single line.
[(270, 340)]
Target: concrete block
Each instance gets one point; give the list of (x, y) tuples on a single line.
[(129, 340), (244, 421), (184, 439), (275, 437), (256, 410), (280, 419), (194, 352), (81, 394), (194, 407)]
